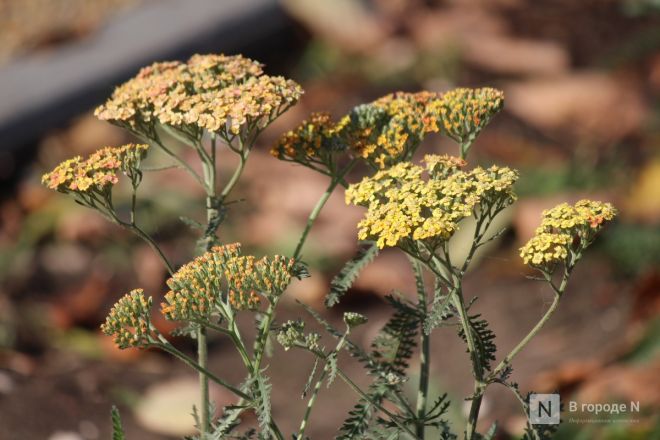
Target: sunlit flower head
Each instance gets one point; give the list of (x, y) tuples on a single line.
[(217, 93), (403, 202), (465, 112), (566, 230), (98, 172)]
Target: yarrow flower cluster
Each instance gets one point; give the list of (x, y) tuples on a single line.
[(247, 276), (389, 129), (313, 142), (565, 231), (99, 171), (223, 272), (465, 112), (218, 93), (129, 321), (402, 204)]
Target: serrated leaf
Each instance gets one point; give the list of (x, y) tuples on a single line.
[(263, 407), (117, 429), (332, 368), (440, 311), (484, 339), (349, 273)]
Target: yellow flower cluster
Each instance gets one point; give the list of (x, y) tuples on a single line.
[(585, 215), (546, 249), (465, 112), (312, 142), (565, 229), (98, 171), (389, 129), (218, 93), (129, 320), (402, 204), (199, 285)]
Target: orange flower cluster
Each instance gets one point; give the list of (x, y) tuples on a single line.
[(217, 93), (98, 172), (197, 287)]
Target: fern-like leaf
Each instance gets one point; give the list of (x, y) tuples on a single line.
[(349, 273), (332, 368), (117, 429), (395, 343), (262, 404), (484, 339)]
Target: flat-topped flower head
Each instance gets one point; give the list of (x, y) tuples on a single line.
[(443, 165), (217, 71), (405, 203), (312, 143), (99, 171), (132, 104), (217, 93), (546, 250), (583, 216), (465, 112), (573, 227), (197, 286), (390, 129), (129, 321), (252, 104)]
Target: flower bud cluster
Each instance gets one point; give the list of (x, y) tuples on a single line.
[(196, 287), (218, 93), (247, 277), (99, 171), (405, 204), (129, 321), (565, 230), (292, 333)]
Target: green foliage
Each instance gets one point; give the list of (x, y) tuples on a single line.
[(117, 429), (349, 273), (262, 400), (484, 338)]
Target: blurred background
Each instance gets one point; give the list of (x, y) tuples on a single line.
[(581, 119)]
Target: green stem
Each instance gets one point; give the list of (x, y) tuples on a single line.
[(317, 387), (202, 360), (336, 180), (539, 325), (262, 337), (424, 356), (166, 346)]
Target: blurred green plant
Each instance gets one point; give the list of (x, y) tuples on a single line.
[(217, 101)]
